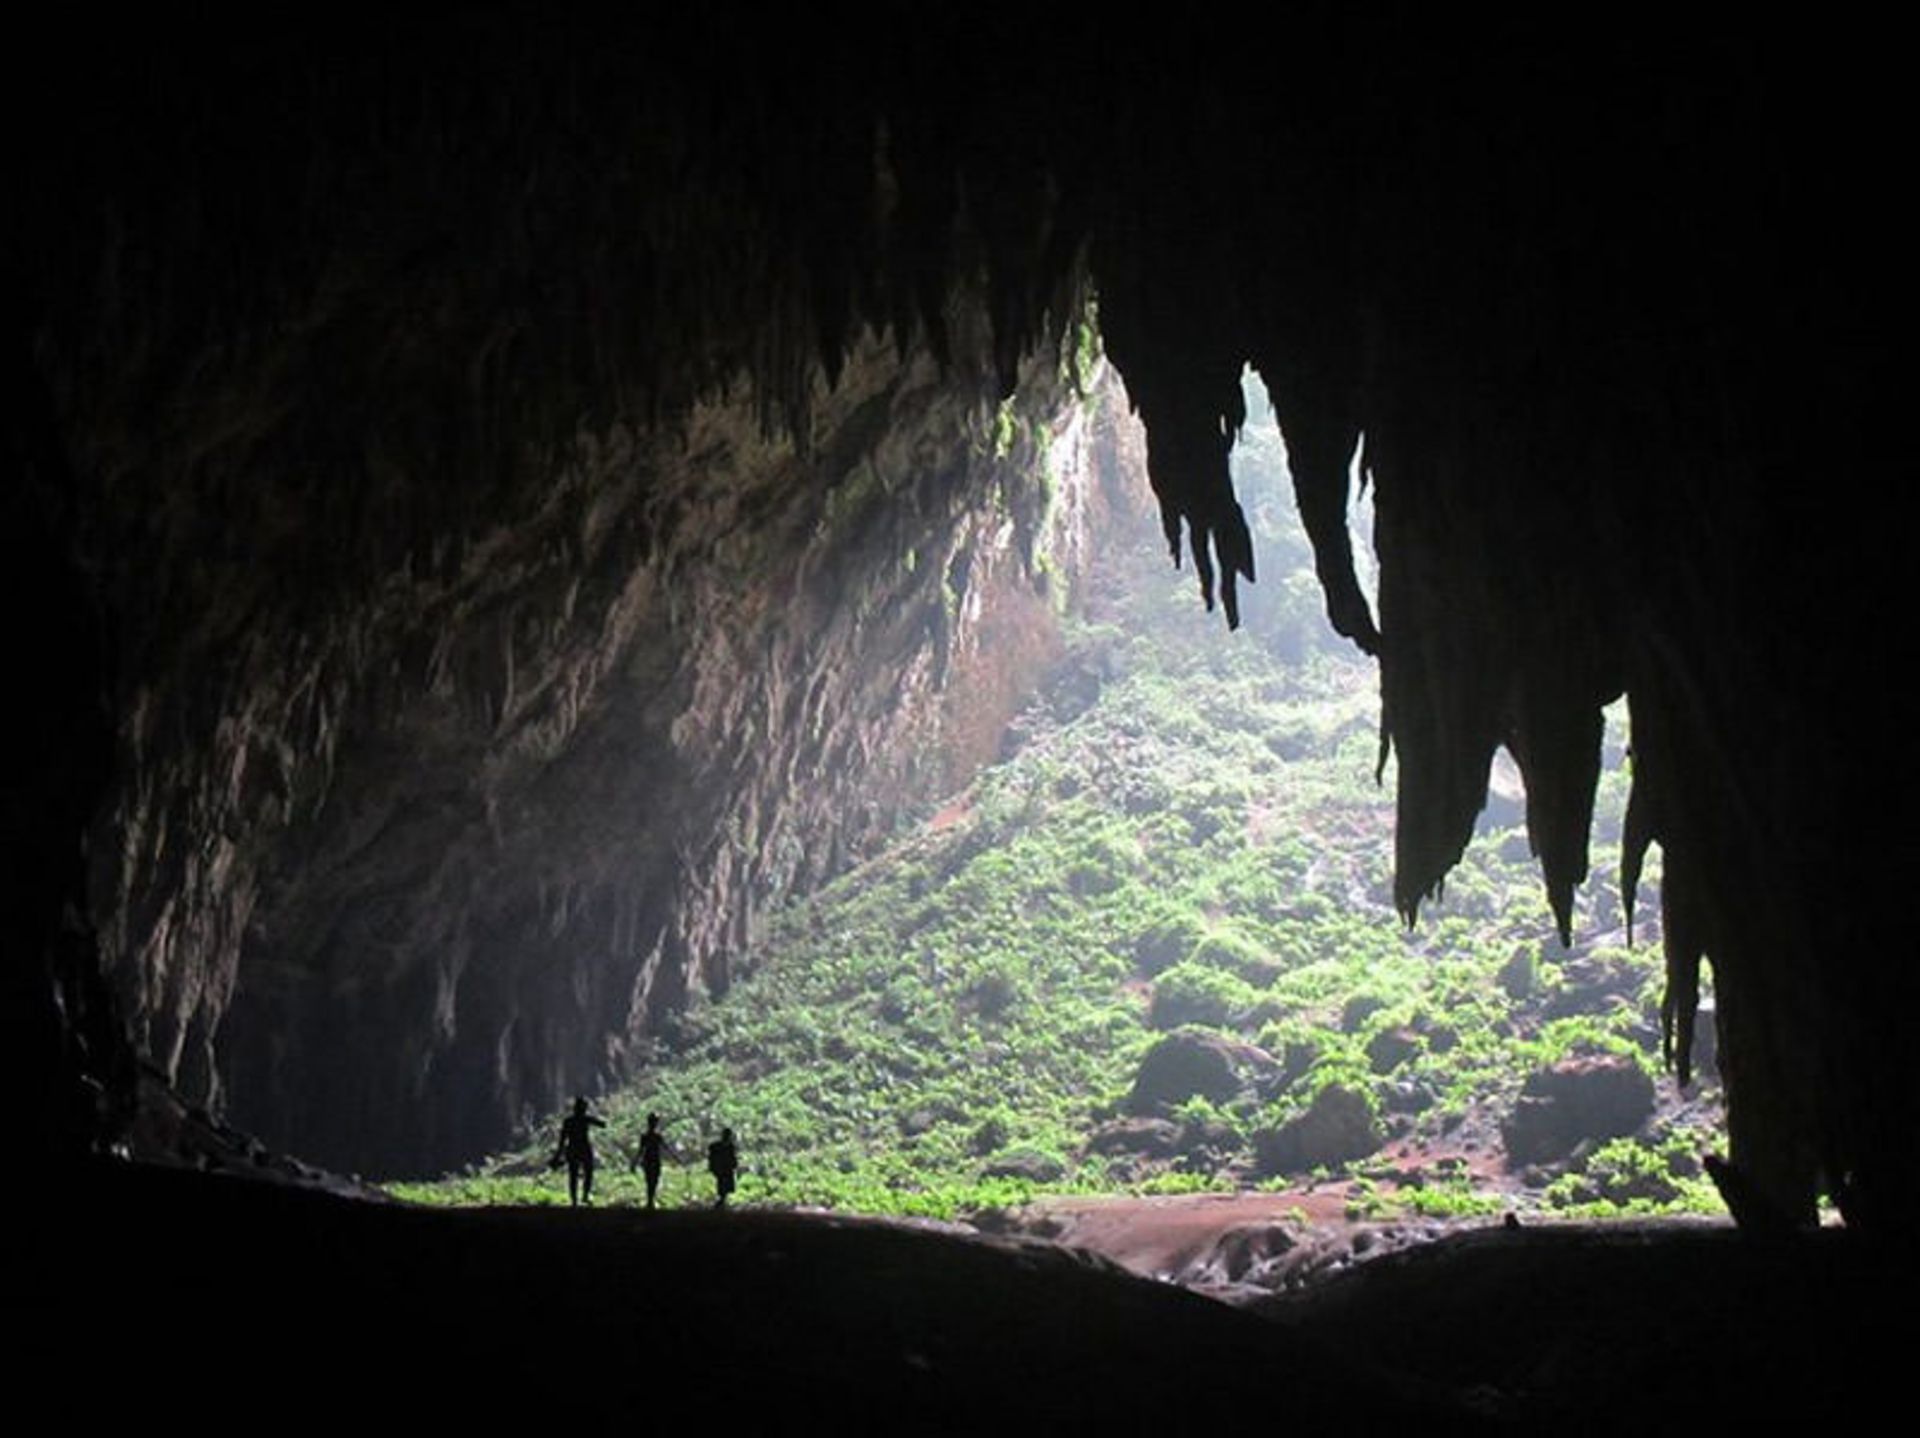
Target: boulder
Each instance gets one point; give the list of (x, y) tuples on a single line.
[(1516, 974), (1390, 1048), (1193, 1063), (1589, 1097), (1028, 1163), (1358, 1010), (1205, 1145), (1408, 1096), (1296, 1058), (989, 1136), (1591, 985), (1165, 942), (1337, 1127), (917, 1122), (1137, 1137), (1192, 993)]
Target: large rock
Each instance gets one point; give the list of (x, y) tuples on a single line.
[(1587, 1097), (1358, 1009), (1207, 1144), (1190, 993), (1166, 941), (1136, 1137), (1030, 1164), (1516, 974), (1593, 984), (1390, 1048), (1338, 1127), (1192, 1063)]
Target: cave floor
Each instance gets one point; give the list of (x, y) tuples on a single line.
[(147, 1290)]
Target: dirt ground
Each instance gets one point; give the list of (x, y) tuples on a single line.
[(1240, 1246)]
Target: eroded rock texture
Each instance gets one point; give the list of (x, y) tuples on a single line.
[(481, 674), (359, 359), (437, 857)]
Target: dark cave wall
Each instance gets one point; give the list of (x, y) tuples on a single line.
[(432, 862), (521, 561), (1613, 312), (542, 851)]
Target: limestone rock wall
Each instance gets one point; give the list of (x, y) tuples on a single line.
[(433, 861)]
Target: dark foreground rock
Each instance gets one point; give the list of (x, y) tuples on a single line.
[(1620, 1328), (266, 1306)]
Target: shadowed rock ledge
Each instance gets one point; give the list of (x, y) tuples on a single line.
[(752, 1321)]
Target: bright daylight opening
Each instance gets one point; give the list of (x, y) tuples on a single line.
[(1142, 979)]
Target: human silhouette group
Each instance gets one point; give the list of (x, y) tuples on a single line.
[(575, 1151)]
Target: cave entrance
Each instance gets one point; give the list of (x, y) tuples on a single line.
[(1151, 950)]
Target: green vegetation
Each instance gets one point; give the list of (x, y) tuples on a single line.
[(1628, 1177), (1080, 358), (1191, 838)]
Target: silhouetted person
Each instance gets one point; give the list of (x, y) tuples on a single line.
[(576, 1151), (723, 1162), (653, 1145)]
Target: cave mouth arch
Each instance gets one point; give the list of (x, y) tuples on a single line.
[(1136, 949), (297, 328)]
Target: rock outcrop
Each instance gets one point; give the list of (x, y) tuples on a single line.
[(1337, 1127), (1578, 1099), (1197, 1063)]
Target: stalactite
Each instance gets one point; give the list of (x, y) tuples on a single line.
[(1323, 437)]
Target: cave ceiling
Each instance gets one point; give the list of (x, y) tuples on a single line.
[(1605, 312)]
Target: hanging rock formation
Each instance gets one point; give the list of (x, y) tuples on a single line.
[(385, 399)]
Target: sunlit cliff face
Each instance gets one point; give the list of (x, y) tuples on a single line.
[(388, 423)]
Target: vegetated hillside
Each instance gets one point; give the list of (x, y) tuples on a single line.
[(1154, 950)]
